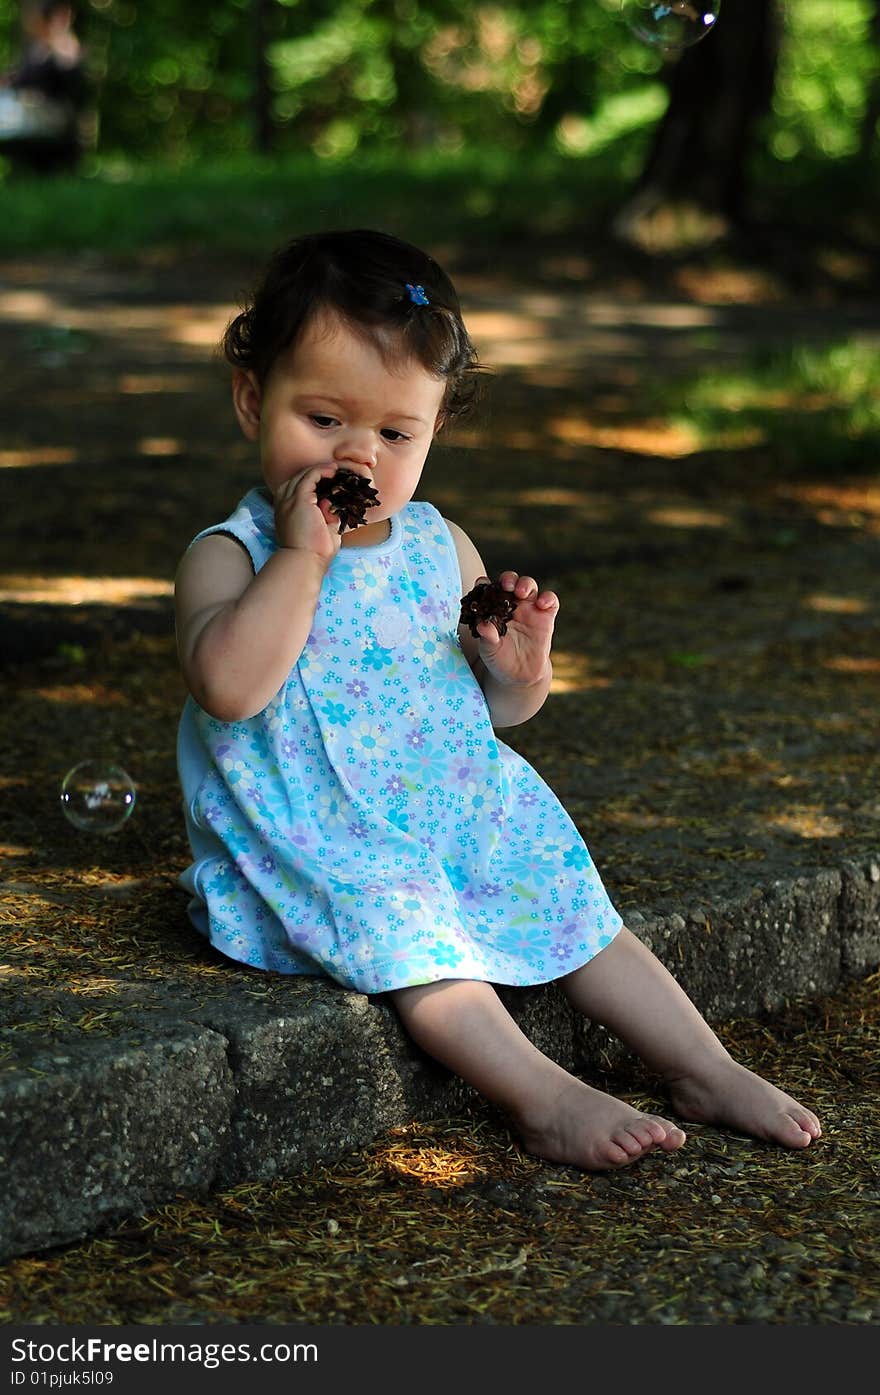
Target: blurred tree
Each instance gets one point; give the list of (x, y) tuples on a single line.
[(718, 91), (175, 82), (172, 80)]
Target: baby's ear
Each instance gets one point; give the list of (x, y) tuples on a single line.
[(247, 401)]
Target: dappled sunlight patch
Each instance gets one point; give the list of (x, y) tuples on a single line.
[(525, 352), (850, 503), (141, 384), (806, 820), (789, 781), (517, 337), (438, 1154), (81, 590), (852, 663), (727, 285), (176, 324), (521, 438), (596, 505), (201, 330), (85, 694), (29, 305), (38, 455), (575, 673), (570, 379), (680, 516), (669, 228), (649, 314), (835, 605), (845, 266), (533, 331), (197, 326), (503, 326), (653, 437), (431, 1166), (159, 445)]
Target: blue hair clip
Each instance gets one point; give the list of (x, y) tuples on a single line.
[(417, 294)]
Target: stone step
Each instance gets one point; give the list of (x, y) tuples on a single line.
[(195, 1097)]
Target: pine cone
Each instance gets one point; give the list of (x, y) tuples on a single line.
[(487, 601), (350, 496)]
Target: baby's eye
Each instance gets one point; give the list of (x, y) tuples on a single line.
[(391, 435), (320, 420)]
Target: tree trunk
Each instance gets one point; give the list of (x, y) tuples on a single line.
[(868, 133), (717, 92)]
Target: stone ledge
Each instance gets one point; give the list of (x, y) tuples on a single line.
[(199, 1097)]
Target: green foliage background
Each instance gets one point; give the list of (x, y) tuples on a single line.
[(174, 81)]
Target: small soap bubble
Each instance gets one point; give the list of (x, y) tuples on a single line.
[(672, 26), (97, 796)]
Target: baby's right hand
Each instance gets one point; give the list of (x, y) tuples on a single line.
[(302, 521)]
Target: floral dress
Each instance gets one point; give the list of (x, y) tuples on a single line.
[(368, 824)]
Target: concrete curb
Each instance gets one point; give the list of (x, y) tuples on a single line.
[(92, 1131)]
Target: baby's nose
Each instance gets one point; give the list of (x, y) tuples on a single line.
[(357, 447)]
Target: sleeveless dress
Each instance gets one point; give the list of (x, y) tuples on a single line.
[(368, 824)]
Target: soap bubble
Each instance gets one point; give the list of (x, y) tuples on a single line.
[(675, 25), (97, 797)]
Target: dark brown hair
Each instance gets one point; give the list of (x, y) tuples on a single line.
[(363, 277)]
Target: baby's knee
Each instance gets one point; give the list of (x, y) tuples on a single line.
[(445, 1001)]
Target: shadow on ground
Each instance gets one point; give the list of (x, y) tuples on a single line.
[(712, 727)]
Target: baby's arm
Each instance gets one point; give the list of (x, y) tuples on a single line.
[(514, 671), (239, 635)]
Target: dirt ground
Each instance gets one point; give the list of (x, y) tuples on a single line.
[(718, 626), (713, 725)]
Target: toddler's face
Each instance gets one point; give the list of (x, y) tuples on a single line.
[(333, 399)]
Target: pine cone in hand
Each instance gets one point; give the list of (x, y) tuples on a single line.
[(487, 601), (350, 496)]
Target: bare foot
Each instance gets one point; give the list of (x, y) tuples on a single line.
[(727, 1093), (586, 1128)]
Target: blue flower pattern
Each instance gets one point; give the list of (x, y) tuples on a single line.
[(368, 824)]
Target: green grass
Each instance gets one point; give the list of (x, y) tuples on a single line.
[(812, 405), (241, 205), (491, 197)]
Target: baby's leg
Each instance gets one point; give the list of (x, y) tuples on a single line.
[(464, 1025), (627, 989)]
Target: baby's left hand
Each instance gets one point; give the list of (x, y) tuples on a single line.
[(522, 656)]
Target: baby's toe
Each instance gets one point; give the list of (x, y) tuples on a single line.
[(673, 1139), (798, 1129), (628, 1139), (646, 1131), (614, 1154), (665, 1133), (808, 1121)]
